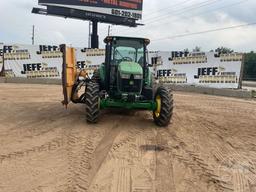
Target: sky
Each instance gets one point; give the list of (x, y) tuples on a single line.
[(163, 19)]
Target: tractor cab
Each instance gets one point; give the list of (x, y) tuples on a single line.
[(125, 66)]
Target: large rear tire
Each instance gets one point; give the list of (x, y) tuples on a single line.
[(92, 102), (164, 101)]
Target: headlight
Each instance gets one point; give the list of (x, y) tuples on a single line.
[(125, 76), (137, 76)]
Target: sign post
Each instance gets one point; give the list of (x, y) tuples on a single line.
[(94, 36)]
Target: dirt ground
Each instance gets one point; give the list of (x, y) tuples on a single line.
[(210, 145)]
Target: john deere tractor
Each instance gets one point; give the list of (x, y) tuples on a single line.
[(122, 81)]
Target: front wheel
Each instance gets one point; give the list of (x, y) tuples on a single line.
[(164, 107), (92, 101)]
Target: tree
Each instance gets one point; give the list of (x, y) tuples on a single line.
[(224, 50), (186, 50), (197, 49), (250, 66)]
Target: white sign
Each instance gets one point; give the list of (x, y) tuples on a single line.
[(30, 61), (90, 59), (45, 61), (198, 69)]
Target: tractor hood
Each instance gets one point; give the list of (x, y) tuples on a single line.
[(127, 67), (130, 78)]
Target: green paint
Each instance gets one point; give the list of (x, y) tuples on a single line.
[(102, 72), (127, 67), (111, 103), (148, 78)]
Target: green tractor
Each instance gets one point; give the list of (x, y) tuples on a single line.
[(123, 81)]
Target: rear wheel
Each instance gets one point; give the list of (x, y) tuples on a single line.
[(164, 107), (92, 102)]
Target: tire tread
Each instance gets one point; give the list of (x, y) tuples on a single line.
[(92, 102), (166, 107)]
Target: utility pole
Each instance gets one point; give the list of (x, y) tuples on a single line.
[(109, 30), (33, 35), (89, 36)]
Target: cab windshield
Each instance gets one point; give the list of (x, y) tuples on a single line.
[(128, 50)]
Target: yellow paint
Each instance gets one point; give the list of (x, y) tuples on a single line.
[(71, 71), (158, 106)]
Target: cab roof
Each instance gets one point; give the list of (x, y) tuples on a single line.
[(110, 38)]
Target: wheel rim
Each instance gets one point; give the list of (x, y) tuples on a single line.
[(158, 106)]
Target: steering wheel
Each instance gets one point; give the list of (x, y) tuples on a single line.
[(127, 59)]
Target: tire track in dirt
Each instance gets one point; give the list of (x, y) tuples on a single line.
[(129, 138), (87, 154), (222, 149), (79, 149), (228, 158), (124, 180), (22, 162), (164, 168), (185, 151), (102, 150), (240, 182), (52, 145), (27, 129), (150, 169), (206, 168), (73, 153), (118, 169), (192, 160)]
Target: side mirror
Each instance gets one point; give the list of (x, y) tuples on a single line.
[(149, 63)]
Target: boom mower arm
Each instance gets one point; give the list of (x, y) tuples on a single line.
[(70, 76)]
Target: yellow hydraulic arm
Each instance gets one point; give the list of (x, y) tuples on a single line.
[(70, 74)]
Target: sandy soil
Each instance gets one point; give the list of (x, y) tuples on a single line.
[(209, 146)]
